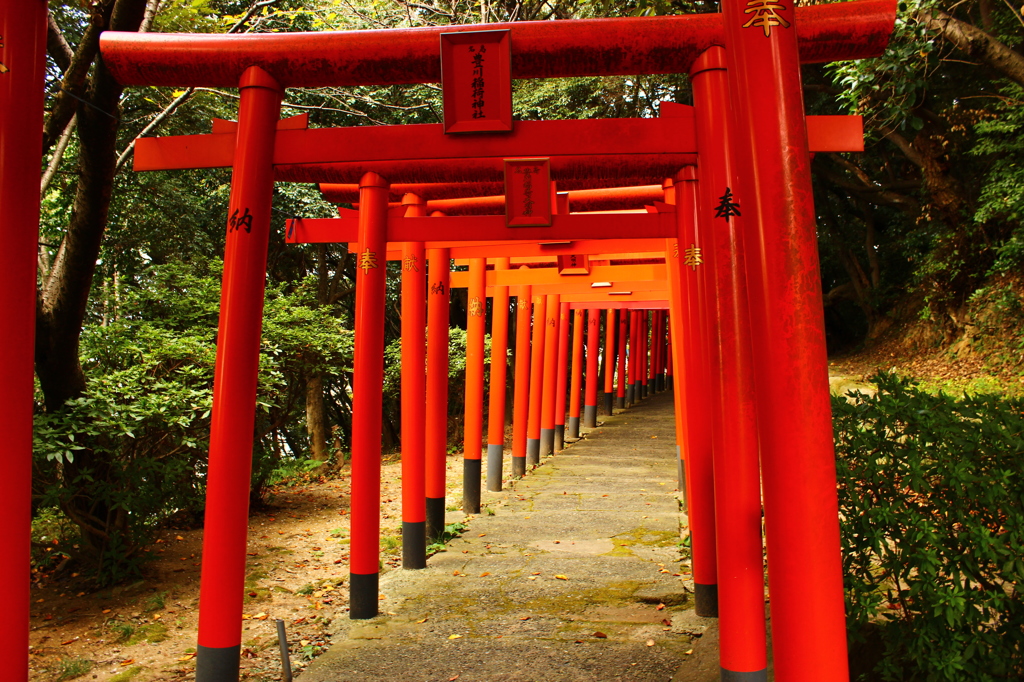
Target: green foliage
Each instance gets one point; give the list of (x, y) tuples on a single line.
[(931, 493), (72, 668), (450, 532), (145, 414)]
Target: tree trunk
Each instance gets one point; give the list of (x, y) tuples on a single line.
[(316, 420)]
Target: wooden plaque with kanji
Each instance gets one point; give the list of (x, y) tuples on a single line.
[(476, 81), (528, 192)]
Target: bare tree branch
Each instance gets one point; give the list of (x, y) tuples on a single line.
[(976, 43), (56, 46)]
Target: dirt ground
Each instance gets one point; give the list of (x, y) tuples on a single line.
[(298, 560)]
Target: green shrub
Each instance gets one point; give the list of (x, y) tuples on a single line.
[(931, 493)]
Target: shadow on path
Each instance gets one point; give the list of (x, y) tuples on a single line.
[(577, 576)]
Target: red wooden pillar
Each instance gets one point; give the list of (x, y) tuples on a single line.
[(609, 361), (533, 427), (474, 425), (234, 394), (645, 351), (675, 301), (631, 357), (734, 419), (696, 392), (414, 396), (521, 397), (550, 380), (659, 347), (23, 31), (499, 372), (620, 384), (575, 384), (590, 392), (801, 513), (562, 372), (368, 376), (436, 439)]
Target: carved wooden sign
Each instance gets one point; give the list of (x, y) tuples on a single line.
[(476, 81), (528, 192)]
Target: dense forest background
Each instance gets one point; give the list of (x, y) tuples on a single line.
[(921, 238)]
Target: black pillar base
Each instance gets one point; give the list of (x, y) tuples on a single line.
[(629, 395), (471, 486), (609, 402), (435, 518), (547, 442), (414, 544), (681, 472), (559, 437), (638, 392), (532, 451), (590, 416), (518, 467), (705, 600), (620, 402), (217, 664), (495, 456), (734, 676), (362, 595), (646, 389), (574, 428)]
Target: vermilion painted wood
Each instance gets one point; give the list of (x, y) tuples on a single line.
[(575, 141), (436, 439), (583, 288), (576, 382), (679, 399), (23, 35), (533, 426), (562, 374), (368, 376), (590, 390), (591, 226), (628, 146), (521, 396), (734, 419), (644, 347), (598, 273), (696, 395), (499, 372), (610, 327), (550, 378), (620, 391), (543, 49), (801, 512), (234, 393), (617, 305), (525, 253), (475, 331), (414, 389)]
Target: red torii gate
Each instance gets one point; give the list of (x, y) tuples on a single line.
[(784, 278)]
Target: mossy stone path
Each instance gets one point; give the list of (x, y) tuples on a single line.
[(577, 575)]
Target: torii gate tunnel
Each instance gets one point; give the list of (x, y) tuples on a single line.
[(742, 194)]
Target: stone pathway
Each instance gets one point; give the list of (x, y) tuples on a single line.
[(576, 576)]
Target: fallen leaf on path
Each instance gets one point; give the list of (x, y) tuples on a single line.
[(485, 574), (666, 621), (304, 642), (525, 618), (535, 573), (454, 636), (650, 642), (128, 662), (482, 535), (70, 641), (600, 635), (422, 620), (688, 652), (186, 657), (660, 607), (561, 577), (453, 678), (531, 577)]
